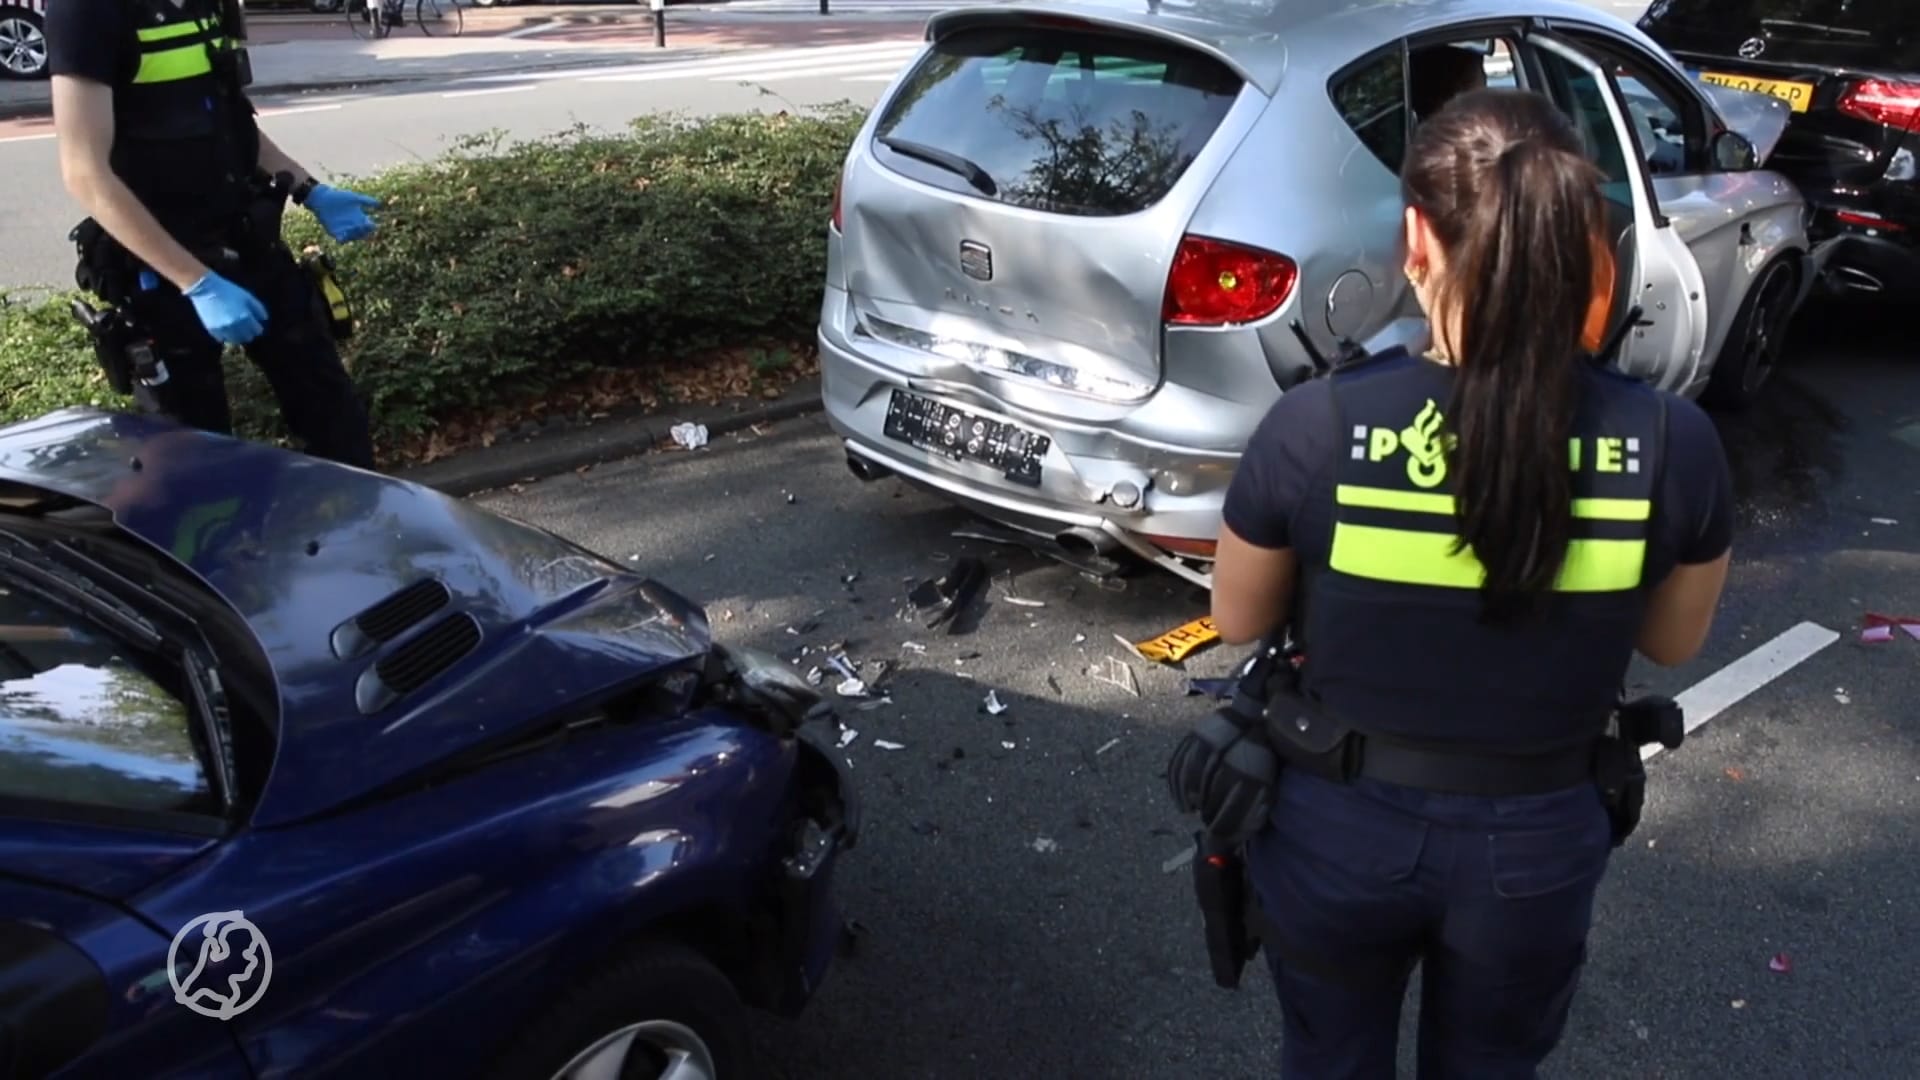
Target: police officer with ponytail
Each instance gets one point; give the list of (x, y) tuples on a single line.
[(1461, 551), (158, 144)]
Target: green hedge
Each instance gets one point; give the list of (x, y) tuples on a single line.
[(501, 271)]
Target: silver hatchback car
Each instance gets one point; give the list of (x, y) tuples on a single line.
[(1079, 249)]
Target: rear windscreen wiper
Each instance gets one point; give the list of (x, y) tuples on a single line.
[(59, 586), (211, 699), (953, 163)]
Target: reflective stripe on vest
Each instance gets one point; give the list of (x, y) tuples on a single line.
[(177, 51), (1422, 553)]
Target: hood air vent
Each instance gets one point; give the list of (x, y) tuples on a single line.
[(416, 663), (389, 618)]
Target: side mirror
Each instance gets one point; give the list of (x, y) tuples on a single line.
[(1733, 152)]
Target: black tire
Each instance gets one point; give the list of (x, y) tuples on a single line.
[(1751, 353), (658, 982), (23, 51)]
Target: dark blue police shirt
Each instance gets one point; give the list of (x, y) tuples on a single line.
[(1282, 497)]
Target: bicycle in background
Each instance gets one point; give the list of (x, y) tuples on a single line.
[(377, 18)]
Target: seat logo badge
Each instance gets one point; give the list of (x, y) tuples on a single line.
[(1752, 47), (976, 260)]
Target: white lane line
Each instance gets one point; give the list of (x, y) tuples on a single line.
[(744, 66), (871, 78), (809, 73), (26, 138), (535, 30), (823, 53), (490, 90), (1730, 685), (293, 109)]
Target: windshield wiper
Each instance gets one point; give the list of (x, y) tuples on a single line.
[(953, 163), (1837, 31), (61, 585)]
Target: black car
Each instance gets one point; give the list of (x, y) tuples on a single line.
[(1851, 71)]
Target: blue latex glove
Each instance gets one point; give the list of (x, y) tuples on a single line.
[(230, 313), (342, 213)]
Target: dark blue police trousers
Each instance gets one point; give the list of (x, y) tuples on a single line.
[(1493, 897)]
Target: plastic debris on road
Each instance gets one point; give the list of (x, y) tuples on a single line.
[(815, 676), (876, 703), (945, 599), (1180, 642), (1116, 672), (1881, 628), (993, 704), (1173, 865), (1217, 689), (1108, 745), (851, 688), (1781, 963), (913, 647), (847, 737), (885, 745), (689, 436), (1044, 844), (1005, 745)]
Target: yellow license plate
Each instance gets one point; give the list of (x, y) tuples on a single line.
[(1799, 95)]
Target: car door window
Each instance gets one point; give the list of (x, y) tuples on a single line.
[(1372, 99), (84, 721), (1583, 98), (1667, 131)]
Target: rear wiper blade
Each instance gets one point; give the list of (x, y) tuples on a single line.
[(1837, 31), (953, 163)]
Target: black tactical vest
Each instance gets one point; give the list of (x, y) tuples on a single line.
[(1393, 637), (184, 134)]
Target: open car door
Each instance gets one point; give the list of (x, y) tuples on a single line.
[(1653, 266)]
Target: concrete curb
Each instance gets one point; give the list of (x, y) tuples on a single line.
[(550, 454)]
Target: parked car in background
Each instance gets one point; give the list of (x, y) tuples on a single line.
[(1850, 69), (23, 39), (1079, 248), (306, 771)]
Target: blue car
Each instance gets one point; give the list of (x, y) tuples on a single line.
[(311, 772)]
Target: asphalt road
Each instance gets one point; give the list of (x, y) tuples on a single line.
[(1012, 879)]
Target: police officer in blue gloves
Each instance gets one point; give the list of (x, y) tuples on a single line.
[(158, 143), (1465, 548)]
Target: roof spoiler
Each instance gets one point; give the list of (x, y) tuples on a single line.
[(1191, 33)]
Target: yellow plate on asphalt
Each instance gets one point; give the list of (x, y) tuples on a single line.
[(1797, 94)]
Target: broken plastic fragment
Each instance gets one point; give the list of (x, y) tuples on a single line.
[(689, 436), (1116, 672), (1110, 744), (1079, 639), (1044, 844), (1021, 601), (941, 600), (876, 703), (815, 677), (1178, 861), (1877, 634), (1217, 689), (844, 666), (913, 647), (847, 737), (1005, 745), (885, 745), (851, 688), (1180, 642), (1781, 963), (993, 704), (1884, 521)]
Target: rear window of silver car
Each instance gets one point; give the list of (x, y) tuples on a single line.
[(1070, 121)]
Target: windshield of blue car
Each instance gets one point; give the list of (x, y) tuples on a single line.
[(85, 722)]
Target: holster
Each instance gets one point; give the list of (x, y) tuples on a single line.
[(1220, 883), (124, 351), (104, 268), (335, 308), (1622, 779), (1302, 732)]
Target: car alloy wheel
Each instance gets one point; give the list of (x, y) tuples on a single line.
[(23, 48), (1766, 329), (660, 1049)]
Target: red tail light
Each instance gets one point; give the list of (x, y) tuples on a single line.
[(1883, 101), (1214, 283), (836, 204)]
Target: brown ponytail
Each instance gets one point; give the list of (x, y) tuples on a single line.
[(1517, 209)]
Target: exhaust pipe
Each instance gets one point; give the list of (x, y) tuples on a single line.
[(1083, 541), (865, 470)]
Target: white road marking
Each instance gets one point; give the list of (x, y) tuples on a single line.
[(489, 90), (819, 53), (292, 109), (1730, 685), (761, 75), (535, 30), (870, 78), (26, 138), (800, 65)]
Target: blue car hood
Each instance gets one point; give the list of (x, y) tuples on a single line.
[(299, 547)]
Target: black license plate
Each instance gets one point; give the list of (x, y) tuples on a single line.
[(962, 436)]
